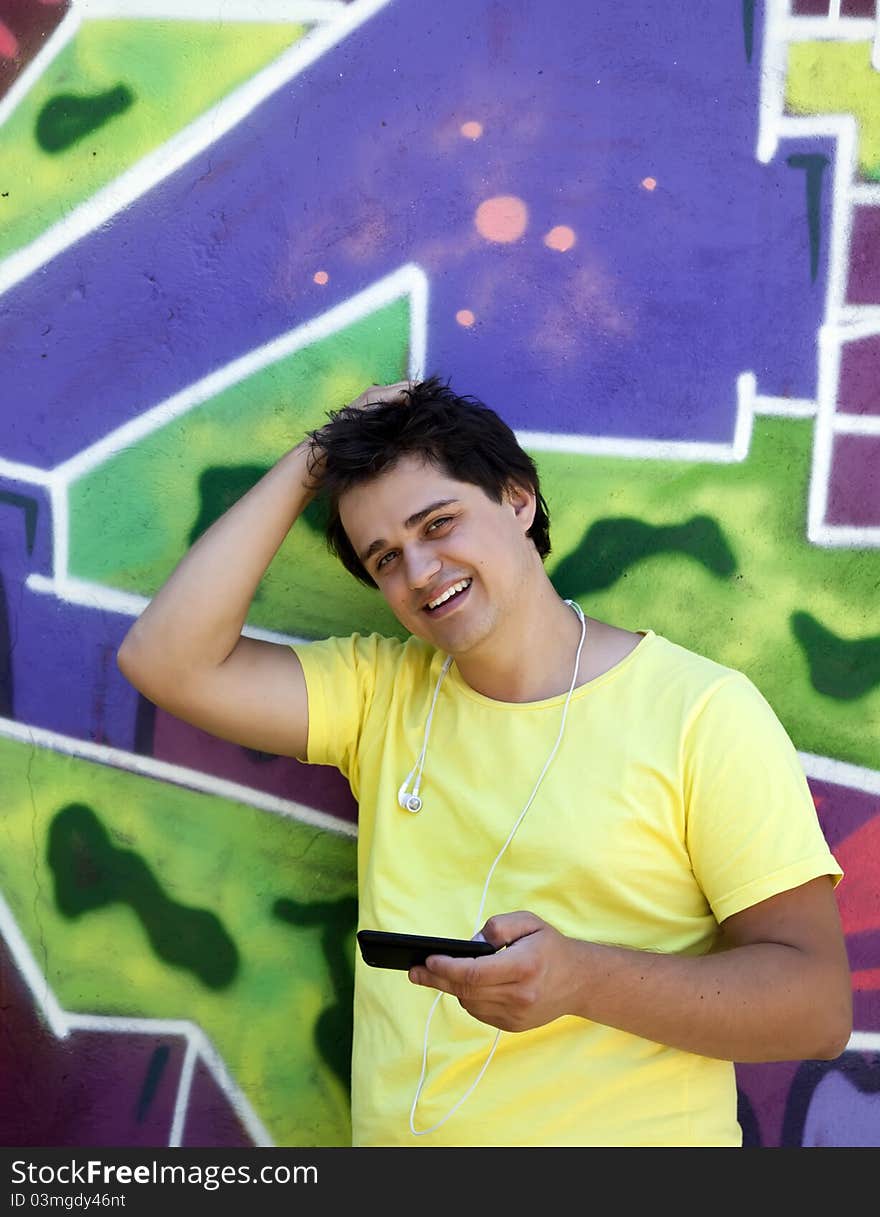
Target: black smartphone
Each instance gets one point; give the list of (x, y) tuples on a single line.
[(404, 951)]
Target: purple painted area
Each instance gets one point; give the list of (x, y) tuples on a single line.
[(316, 786), (87, 1089), (210, 1118), (858, 8), (358, 166), (767, 1088), (62, 659), (842, 810), (810, 8), (854, 490), (863, 286), (64, 670), (841, 1113), (858, 390)]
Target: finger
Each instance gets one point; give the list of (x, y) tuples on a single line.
[(506, 928), (430, 980), (377, 393), (476, 974)]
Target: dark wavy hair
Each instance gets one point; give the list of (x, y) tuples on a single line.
[(459, 435)]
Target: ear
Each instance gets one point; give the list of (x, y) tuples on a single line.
[(522, 500)]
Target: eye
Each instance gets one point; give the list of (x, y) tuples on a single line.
[(384, 558), (439, 520)]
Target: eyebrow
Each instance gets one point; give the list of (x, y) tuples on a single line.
[(415, 518)]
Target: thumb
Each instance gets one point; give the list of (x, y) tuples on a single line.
[(505, 928)]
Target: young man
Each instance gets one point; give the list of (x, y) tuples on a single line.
[(632, 815)]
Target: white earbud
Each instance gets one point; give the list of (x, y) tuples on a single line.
[(409, 802)]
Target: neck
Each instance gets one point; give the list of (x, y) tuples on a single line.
[(530, 655)]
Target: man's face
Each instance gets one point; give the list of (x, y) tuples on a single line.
[(422, 534)]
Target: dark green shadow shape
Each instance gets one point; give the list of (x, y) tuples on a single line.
[(69, 117), (90, 872), (610, 547), (748, 24), (153, 1077), (337, 920), (814, 165), (221, 486), (839, 667)]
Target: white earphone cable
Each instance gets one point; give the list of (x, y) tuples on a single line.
[(416, 1132)]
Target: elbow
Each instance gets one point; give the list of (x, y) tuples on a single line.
[(836, 1029), (130, 661)]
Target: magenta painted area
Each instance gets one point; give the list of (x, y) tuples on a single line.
[(858, 8), (210, 1118), (86, 1089), (858, 390), (854, 487), (358, 166), (316, 786), (863, 286), (30, 24), (98, 1087)]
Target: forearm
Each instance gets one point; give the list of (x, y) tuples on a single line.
[(760, 1002), (196, 617)]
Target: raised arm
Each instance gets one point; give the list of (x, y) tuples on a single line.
[(186, 651)]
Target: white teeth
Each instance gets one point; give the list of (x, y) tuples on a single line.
[(450, 591)]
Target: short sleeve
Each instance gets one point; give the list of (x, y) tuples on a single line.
[(340, 675), (751, 824)]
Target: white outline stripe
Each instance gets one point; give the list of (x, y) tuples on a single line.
[(828, 29), (668, 450), (857, 424), (177, 775), (840, 773), (25, 473), (865, 194), (863, 1041), (184, 1088), (217, 12), (62, 1022), (187, 143)]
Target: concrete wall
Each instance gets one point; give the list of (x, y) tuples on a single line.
[(648, 235)]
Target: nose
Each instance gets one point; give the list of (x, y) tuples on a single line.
[(421, 566)]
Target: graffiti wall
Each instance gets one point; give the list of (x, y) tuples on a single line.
[(649, 239)]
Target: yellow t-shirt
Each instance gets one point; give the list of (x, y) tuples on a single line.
[(675, 800)]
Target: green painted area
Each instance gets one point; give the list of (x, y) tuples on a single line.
[(133, 518), (208, 853), (91, 872), (70, 117), (336, 922), (610, 548), (174, 70), (841, 667), (837, 78), (743, 619)]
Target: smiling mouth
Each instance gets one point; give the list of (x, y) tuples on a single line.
[(450, 597)]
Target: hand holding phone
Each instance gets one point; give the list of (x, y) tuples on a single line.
[(381, 949)]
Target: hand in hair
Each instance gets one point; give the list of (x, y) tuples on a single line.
[(378, 395), (375, 395)]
